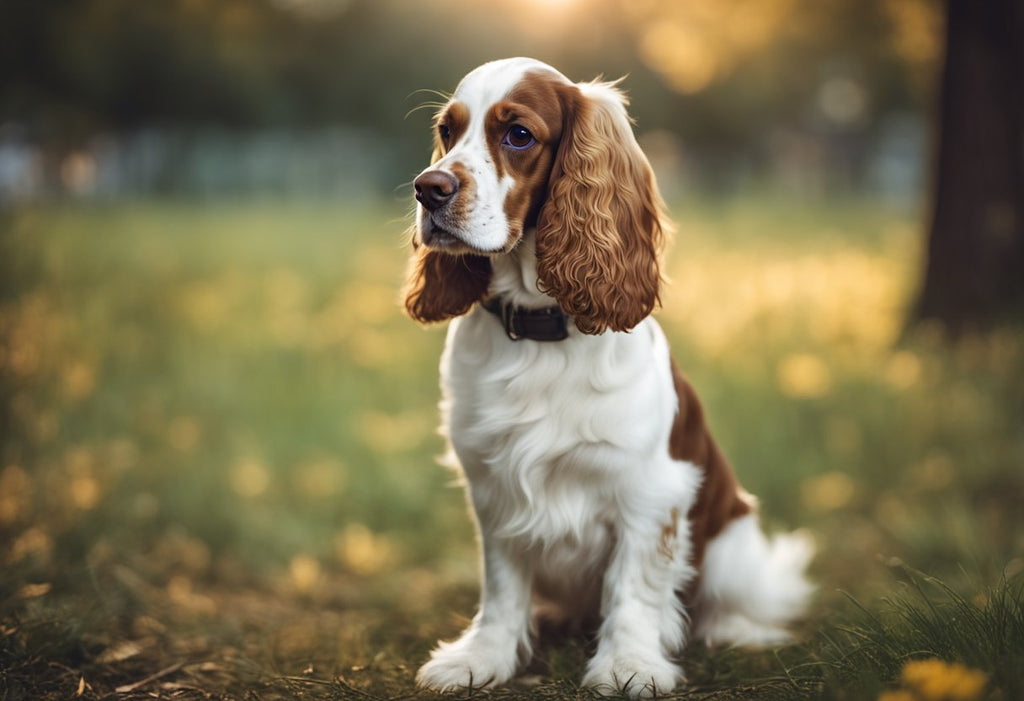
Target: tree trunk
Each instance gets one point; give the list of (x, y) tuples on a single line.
[(974, 274)]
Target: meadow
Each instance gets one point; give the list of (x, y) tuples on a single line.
[(218, 477)]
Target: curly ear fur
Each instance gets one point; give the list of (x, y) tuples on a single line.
[(442, 286), (601, 229)]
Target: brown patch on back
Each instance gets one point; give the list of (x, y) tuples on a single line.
[(721, 498)]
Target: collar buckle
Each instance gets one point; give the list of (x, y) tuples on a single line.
[(508, 319)]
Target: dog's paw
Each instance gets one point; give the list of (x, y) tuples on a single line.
[(466, 664), (634, 676)]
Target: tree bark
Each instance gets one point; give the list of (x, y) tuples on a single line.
[(974, 271)]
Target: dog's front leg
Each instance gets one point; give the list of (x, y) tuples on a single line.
[(489, 651), (643, 621)]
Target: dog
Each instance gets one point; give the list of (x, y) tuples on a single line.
[(598, 491)]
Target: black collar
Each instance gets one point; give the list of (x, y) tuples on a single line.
[(546, 324)]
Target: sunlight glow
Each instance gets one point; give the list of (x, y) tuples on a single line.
[(552, 19), (694, 44), (557, 5)]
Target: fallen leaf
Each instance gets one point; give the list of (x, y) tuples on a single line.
[(124, 651), (31, 591)]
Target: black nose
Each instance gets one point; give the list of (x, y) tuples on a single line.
[(435, 188)]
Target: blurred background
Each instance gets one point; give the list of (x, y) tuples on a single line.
[(218, 430), (312, 98)]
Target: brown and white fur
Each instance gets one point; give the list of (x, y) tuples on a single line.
[(597, 488)]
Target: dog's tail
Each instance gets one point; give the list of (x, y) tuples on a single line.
[(752, 587)]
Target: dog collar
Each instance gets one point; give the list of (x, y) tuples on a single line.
[(545, 324)]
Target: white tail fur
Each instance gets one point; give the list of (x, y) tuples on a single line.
[(751, 586)]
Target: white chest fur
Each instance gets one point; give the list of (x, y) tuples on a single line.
[(558, 439)]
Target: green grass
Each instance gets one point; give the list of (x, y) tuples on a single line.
[(217, 472)]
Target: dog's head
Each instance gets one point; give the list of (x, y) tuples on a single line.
[(520, 148)]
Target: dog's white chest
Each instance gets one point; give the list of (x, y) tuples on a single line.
[(549, 435)]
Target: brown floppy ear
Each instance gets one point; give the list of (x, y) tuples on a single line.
[(601, 229), (442, 286)]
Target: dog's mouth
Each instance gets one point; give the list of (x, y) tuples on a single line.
[(440, 238), (438, 234), (437, 237)]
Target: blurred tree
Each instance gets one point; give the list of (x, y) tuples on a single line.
[(70, 68), (974, 270)]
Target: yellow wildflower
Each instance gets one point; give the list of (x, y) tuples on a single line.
[(935, 680)]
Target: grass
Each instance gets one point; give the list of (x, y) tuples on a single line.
[(218, 432)]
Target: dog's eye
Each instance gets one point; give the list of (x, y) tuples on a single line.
[(444, 131), (518, 138)]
